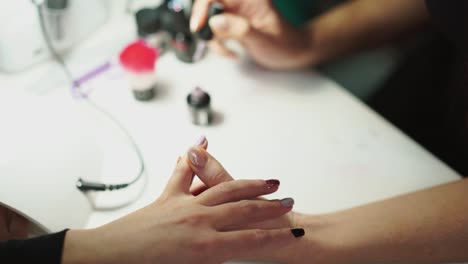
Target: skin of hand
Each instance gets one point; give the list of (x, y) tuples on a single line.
[(181, 228), (274, 44), (212, 173), (12, 225), (428, 226), (267, 38)]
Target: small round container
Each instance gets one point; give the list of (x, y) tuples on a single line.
[(138, 59), (143, 85), (199, 106)]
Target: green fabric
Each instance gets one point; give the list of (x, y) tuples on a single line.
[(360, 74), (297, 12)]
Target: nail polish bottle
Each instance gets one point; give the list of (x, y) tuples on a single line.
[(183, 43), (199, 105), (184, 47)]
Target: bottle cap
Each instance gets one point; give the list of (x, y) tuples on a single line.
[(198, 98), (144, 95), (57, 4), (138, 57), (175, 21), (148, 21)]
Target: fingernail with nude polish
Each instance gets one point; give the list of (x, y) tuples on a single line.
[(287, 202), (272, 183), (219, 22), (197, 157), (298, 232), (200, 141), (194, 22)]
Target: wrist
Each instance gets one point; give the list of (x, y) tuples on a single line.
[(320, 49), (82, 246), (323, 242), (314, 53)]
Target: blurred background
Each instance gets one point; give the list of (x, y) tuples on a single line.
[(361, 73)]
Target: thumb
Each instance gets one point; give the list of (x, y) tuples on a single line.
[(206, 167), (229, 26)]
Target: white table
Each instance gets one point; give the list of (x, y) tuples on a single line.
[(329, 150)]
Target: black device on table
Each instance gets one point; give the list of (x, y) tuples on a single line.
[(173, 20)]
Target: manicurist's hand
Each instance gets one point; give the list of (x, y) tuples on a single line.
[(182, 228), (267, 37)]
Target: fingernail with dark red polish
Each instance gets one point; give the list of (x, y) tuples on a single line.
[(298, 232), (272, 183)]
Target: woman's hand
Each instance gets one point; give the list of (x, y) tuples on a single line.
[(12, 225), (267, 38), (181, 228), (313, 248), (404, 229), (212, 173)]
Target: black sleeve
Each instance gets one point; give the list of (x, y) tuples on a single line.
[(44, 249)]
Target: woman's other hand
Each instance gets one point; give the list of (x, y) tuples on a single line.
[(211, 173), (182, 228)]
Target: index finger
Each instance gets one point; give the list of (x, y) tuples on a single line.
[(182, 176), (200, 12)]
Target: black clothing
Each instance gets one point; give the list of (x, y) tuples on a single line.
[(427, 97), (44, 249)]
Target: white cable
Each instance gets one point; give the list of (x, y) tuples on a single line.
[(76, 85)]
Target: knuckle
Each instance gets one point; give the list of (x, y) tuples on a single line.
[(204, 246), (198, 218), (249, 207), (259, 183), (221, 175), (181, 168), (192, 219), (228, 189), (261, 236)]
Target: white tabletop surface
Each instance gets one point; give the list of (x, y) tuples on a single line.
[(328, 149)]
